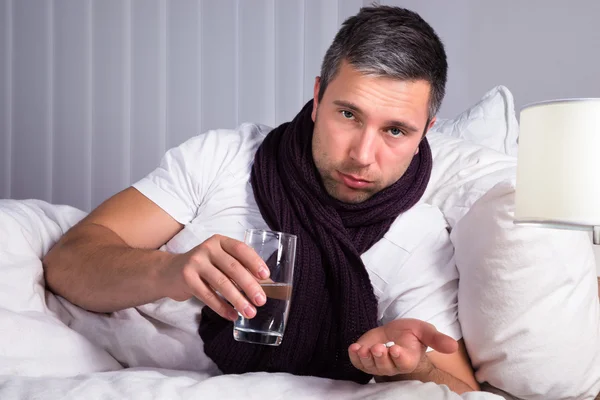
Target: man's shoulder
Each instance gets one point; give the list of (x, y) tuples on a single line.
[(217, 149), (244, 132), (246, 135)]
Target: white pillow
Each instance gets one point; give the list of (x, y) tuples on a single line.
[(528, 302), (491, 122), (472, 153), (35, 342), (462, 172)]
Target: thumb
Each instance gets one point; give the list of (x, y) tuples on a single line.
[(427, 334), (431, 337)]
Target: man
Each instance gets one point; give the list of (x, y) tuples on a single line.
[(345, 176)]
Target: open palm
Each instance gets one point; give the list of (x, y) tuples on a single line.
[(411, 338)]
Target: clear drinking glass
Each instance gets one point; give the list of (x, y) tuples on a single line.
[(278, 250)]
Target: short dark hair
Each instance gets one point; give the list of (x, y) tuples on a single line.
[(392, 42)]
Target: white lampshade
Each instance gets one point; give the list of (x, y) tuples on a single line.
[(558, 180)]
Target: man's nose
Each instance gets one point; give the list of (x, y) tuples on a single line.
[(362, 149)]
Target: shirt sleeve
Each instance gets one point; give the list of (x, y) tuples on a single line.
[(184, 175), (190, 173), (170, 186)]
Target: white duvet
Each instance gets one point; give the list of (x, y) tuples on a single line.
[(50, 349)]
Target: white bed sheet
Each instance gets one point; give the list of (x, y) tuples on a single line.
[(139, 384), (51, 349)]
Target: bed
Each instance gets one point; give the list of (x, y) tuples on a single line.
[(528, 304)]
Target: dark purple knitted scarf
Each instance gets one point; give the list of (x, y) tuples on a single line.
[(333, 302)]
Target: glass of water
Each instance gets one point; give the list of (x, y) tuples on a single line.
[(278, 250)]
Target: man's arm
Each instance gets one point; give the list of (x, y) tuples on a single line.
[(109, 261)]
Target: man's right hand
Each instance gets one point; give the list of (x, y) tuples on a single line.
[(220, 264)]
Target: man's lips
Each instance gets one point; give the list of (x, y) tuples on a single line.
[(353, 181)]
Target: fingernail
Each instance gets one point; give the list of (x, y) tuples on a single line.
[(259, 299), (394, 354), (263, 272), (377, 354), (249, 311), (233, 315)]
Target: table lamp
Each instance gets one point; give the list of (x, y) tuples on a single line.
[(558, 165)]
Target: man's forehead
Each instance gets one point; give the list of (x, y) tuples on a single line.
[(388, 98)]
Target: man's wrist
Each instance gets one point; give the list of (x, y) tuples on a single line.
[(160, 273), (424, 370), (425, 367)]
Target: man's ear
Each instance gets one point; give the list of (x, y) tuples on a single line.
[(431, 123), (428, 127), (316, 98)]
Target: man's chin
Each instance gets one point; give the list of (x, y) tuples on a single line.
[(353, 197), (355, 200)]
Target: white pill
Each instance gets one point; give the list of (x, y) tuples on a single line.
[(389, 344)]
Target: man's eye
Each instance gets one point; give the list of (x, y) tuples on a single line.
[(347, 114), (395, 131)]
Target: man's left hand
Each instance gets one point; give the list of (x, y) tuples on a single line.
[(411, 338)]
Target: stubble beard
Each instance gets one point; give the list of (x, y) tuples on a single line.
[(326, 171)]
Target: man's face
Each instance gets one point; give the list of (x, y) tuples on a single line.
[(367, 130)]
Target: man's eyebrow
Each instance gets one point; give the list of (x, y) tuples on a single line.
[(356, 109), (404, 125), (347, 104)]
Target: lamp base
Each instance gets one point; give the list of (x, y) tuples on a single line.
[(561, 225)]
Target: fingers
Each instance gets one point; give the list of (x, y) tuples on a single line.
[(366, 358), (246, 256), (435, 339), (381, 361), (202, 291), (361, 358), (230, 269), (221, 283), (404, 361), (425, 332), (354, 358), (211, 268)]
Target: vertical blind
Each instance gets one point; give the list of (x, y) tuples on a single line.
[(93, 92)]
